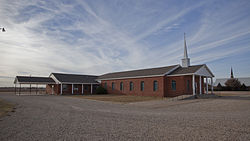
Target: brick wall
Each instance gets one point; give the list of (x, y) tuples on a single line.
[(164, 86), (148, 86), (56, 88), (182, 85)]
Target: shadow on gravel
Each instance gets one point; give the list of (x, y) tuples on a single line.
[(214, 96), (235, 97)]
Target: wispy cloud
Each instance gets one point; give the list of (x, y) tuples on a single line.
[(92, 37)]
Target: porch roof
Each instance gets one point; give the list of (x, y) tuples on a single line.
[(74, 78), (196, 69)]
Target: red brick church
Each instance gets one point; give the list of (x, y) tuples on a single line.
[(165, 81)]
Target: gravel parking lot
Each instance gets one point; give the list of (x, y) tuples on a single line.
[(66, 118)]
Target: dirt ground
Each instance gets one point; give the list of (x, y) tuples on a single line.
[(65, 118)]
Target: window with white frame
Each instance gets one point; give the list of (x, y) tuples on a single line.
[(75, 88)]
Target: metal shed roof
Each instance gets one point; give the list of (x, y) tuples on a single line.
[(33, 80), (243, 80)]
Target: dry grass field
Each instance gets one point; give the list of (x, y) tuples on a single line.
[(5, 107), (232, 93), (117, 98)]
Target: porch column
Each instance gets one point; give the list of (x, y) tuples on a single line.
[(206, 85), (82, 88), (200, 86), (36, 88), (61, 89), (72, 89), (91, 90), (30, 88), (212, 86), (15, 88), (20, 89), (193, 84)]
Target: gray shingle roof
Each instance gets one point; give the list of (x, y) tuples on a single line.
[(245, 80), (186, 70), (75, 78), (138, 73), (34, 80)]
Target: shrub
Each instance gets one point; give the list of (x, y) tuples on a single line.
[(243, 87), (101, 90)]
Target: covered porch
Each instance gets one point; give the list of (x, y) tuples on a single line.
[(72, 88), (205, 77)]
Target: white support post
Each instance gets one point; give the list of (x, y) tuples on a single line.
[(30, 89), (212, 86), (20, 89), (61, 88), (193, 84), (200, 86), (72, 88), (15, 88), (206, 85), (36, 88), (82, 88), (91, 90), (52, 86)]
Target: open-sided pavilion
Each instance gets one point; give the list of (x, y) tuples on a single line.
[(30, 80)]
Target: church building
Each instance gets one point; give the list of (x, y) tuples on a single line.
[(168, 81)]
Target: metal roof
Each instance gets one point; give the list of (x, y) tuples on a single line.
[(33, 80), (138, 73), (243, 80), (74, 78)]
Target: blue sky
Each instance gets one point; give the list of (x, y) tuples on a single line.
[(101, 36)]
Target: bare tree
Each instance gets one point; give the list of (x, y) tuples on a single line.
[(233, 84)]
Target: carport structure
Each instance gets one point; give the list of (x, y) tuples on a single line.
[(28, 80)]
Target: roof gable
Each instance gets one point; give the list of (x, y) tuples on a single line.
[(204, 71), (196, 69), (161, 71)]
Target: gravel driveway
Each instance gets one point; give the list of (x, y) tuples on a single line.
[(65, 118)]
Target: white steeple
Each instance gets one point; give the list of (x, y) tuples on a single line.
[(185, 60)]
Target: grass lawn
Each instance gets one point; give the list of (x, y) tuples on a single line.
[(117, 98), (5, 107)]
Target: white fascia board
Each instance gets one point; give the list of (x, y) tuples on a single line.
[(209, 70), (203, 72), (54, 78), (131, 77), (173, 69)]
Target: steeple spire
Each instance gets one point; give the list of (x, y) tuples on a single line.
[(232, 74), (185, 47), (185, 60)]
